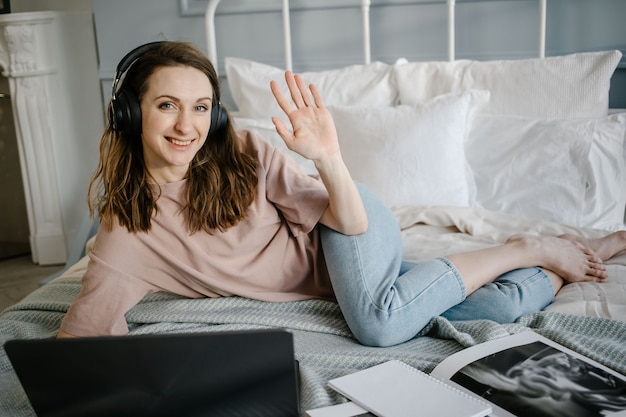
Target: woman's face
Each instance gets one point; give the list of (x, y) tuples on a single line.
[(176, 116)]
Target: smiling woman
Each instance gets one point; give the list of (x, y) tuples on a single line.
[(166, 124), (176, 116)]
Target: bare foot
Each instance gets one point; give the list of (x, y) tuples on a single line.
[(570, 259), (605, 247)]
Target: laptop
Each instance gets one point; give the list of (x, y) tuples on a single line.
[(231, 374)]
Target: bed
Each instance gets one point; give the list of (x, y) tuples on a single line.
[(518, 146)]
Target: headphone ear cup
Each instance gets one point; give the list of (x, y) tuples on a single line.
[(219, 118), (126, 113)]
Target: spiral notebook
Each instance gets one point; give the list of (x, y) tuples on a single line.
[(395, 389)]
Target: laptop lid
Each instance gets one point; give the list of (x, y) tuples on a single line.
[(243, 373)]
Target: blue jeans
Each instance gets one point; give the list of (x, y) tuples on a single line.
[(387, 301)]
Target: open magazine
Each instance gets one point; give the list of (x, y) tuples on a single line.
[(521, 375), (526, 374)]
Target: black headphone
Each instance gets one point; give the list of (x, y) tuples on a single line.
[(125, 109)]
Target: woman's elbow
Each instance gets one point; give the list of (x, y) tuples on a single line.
[(345, 224), (361, 226), (64, 335), (355, 227)]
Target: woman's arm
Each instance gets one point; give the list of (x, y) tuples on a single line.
[(314, 137)]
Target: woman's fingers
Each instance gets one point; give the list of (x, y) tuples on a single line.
[(282, 101), (317, 96), (304, 91), (295, 89), (282, 130), (300, 93)]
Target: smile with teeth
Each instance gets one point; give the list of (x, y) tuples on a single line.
[(180, 142)]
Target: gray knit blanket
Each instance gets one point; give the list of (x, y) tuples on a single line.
[(324, 345)]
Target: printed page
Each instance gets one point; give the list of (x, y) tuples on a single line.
[(528, 374)]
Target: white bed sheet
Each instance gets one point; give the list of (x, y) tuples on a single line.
[(438, 231)]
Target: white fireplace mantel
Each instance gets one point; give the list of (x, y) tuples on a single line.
[(50, 61)]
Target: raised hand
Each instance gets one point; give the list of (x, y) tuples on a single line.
[(313, 134)]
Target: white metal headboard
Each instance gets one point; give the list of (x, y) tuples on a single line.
[(209, 17)]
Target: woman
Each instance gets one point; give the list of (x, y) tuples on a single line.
[(190, 206)]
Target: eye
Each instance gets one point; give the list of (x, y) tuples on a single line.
[(166, 106), (201, 108)]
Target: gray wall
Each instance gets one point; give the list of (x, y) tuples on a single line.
[(330, 38), (324, 39)]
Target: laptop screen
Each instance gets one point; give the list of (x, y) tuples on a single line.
[(245, 373)]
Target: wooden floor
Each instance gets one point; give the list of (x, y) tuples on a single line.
[(19, 276)]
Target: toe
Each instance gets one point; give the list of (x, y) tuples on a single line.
[(597, 271)]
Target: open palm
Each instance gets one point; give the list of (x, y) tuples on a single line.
[(313, 134)]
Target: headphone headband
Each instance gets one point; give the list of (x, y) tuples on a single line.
[(128, 60), (125, 110)]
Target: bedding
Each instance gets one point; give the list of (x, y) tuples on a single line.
[(467, 154), (563, 98), (419, 150), (368, 85), (568, 86), (566, 170), (324, 345)]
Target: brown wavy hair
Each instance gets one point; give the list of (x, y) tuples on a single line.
[(221, 180)]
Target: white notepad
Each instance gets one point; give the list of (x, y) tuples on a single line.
[(395, 389)]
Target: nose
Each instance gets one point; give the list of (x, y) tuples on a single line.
[(183, 122)]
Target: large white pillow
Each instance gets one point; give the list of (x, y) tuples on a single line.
[(568, 86), (356, 85), (410, 155), (605, 200), (570, 170)]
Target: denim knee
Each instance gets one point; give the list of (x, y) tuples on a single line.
[(381, 331), (384, 300)]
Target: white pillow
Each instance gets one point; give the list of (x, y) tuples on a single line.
[(356, 85), (266, 129), (410, 155), (570, 171), (568, 86), (605, 199)]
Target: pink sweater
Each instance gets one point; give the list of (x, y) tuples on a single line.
[(273, 255)]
